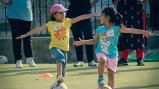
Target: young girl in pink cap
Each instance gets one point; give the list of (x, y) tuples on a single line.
[(107, 38), (59, 28)]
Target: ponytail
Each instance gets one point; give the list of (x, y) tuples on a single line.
[(119, 20), (115, 17)]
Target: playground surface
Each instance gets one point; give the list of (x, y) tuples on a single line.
[(127, 77)]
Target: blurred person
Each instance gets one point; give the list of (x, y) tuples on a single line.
[(82, 29), (19, 13), (154, 14), (133, 17)]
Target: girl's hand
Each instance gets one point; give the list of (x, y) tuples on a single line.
[(78, 43), (98, 13), (146, 33), (21, 37)]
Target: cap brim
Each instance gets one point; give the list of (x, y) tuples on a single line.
[(62, 10)]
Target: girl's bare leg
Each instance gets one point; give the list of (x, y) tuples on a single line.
[(111, 78), (101, 68), (59, 69)]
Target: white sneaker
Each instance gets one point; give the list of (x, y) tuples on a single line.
[(78, 64), (105, 87), (92, 63), (19, 64), (60, 78), (30, 62)]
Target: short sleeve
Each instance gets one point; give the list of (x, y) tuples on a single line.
[(98, 29), (117, 29), (48, 24), (68, 22)]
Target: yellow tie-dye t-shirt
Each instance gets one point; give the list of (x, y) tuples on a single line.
[(59, 34)]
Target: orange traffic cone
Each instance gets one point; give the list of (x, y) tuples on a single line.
[(46, 75)]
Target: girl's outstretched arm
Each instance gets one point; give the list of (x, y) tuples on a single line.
[(33, 31), (87, 42), (135, 31), (83, 17)]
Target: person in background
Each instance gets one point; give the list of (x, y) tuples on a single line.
[(82, 29), (19, 13), (154, 14), (133, 17)]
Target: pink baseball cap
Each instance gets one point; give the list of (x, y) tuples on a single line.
[(57, 8)]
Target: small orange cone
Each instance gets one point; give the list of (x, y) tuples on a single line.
[(46, 75)]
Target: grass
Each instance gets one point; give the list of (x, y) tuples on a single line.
[(127, 77)]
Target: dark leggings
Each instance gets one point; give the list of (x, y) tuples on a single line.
[(19, 27), (83, 30), (154, 14)]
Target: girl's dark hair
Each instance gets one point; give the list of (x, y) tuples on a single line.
[(52, 18), (114, 16)]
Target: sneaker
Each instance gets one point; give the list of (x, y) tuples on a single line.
[(122, 62), (101, 82), (140, 62), (105, 87), (78, 64), (19, 64), (30, 62), (57, 85), (60, 79), (92, 63)]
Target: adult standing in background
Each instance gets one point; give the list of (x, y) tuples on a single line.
[(154, 14), (19, 13), (82, 29), (132, 11)]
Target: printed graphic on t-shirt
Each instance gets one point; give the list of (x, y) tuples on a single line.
[(57, 27), (103, 35), (60, 32), (108, 39), (104, 46), (109, 35)]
